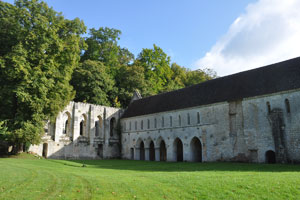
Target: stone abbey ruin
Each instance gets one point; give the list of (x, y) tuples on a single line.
[(252, 116)]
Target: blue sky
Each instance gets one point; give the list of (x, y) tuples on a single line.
[(195, 33)]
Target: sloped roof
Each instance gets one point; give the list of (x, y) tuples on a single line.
[(260, 81)]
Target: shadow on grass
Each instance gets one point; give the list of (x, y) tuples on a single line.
[(152, 166)]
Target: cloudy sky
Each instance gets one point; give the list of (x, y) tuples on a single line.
[(268, 32), (228, 36)]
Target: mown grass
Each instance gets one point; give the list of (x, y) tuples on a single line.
[(31, 178)]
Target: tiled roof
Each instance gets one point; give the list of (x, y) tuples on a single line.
[(260, 81)]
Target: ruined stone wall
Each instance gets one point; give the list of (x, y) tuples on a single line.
[(67, 139)]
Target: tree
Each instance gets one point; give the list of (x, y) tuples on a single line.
[(156, 64), (102, 45), (39, 50), (198, 76), (93, 84), (129, 79)]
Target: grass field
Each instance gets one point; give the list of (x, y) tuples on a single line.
[(26, 177)]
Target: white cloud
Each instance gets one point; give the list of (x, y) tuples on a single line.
[(267, 33)]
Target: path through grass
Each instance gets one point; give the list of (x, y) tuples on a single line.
[(31, 178)]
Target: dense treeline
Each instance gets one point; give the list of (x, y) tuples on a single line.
[(45, 62)]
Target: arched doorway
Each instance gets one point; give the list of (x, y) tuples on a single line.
[(178, 150), (151, 151), (163, 151), (45, 150), (142, 151), (270, 157), (132, 153), (196, 150)]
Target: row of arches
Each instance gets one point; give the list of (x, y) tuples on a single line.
[(83, 125), (195, 151), (177, 150)]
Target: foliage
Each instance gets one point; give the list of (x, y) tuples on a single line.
[(93, 84), (156, 64), (129, 79), (103, 46), (150, 73), (127, 179), (39, 50), (199, 76), (3, 131)]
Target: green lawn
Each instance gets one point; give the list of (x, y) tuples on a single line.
[(28, 178)]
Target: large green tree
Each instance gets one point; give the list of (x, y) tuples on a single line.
[(93, 84), (130, 78), (102, 45), (39, 50), (156, 64)]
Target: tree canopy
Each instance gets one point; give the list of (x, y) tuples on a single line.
[(39, 50), (45, 62), (92, 83)]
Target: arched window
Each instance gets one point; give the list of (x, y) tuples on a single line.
[(171, 121), (142, 124), (81, 127), (83, 122), (66, 127), (112, 126), (130, 126), (155, 123), (179, 120), (148, 123), (269, 107), (188, 119), (162, 121), (287, 106), (96, 128), (198, 117), (135, 125)]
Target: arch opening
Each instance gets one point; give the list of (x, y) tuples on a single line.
[(196, 150), (112, 127), (270, 157), (142, 151), (132, 153), (98, 126), (178, 146), (83, 123), (67, 124), (162, 151), (81, 127), (151, 151), (45, 150)]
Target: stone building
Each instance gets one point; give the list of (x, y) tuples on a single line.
[(82, 131), (252, 116)]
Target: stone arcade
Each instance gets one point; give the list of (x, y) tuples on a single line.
[(252, 116)]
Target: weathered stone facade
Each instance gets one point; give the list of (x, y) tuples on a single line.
[(228, 131), (252, 116), (81, 131)]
